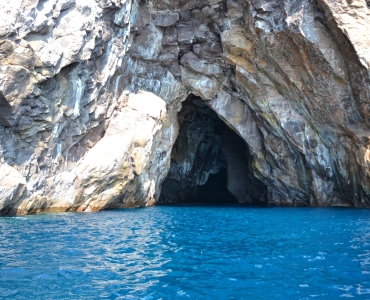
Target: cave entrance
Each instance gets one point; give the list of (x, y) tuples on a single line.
[(209, 162)]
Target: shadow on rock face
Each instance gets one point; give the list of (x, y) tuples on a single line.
[(209, 162), (6, 113)]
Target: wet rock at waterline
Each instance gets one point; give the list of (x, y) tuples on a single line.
[(92, 94)]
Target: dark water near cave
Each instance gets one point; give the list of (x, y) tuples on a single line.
[(188, 252)]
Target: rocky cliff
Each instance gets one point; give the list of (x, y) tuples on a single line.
[(93, 96)]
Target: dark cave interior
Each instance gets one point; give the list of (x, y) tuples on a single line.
[(215, 189), (209, 161)]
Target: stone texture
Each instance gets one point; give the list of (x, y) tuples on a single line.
[(291, 78), (164, 18), (116, 171), (12, 187), (206, 147)]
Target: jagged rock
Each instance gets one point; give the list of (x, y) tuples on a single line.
[(164, 18), (148, 44), (115, 172), (119, 171), (206, 147), (291, 78), (202, 85), (192, 61), (12, 187)]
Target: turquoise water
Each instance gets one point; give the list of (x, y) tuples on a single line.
[(188, 252)]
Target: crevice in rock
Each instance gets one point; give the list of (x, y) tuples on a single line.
[(209, 162)]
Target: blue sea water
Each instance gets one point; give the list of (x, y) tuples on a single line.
[(187, 252)]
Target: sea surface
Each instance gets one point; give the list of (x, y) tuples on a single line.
[(188, 252)]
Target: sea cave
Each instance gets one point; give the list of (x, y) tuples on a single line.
[(209, 161)]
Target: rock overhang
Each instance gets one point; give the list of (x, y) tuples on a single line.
[(290, 78)]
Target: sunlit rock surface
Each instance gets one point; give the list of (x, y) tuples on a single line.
[(78, 132)]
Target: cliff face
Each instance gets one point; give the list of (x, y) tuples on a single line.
[(90, 93)]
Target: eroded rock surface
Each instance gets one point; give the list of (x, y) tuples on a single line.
[(207, 150), (291, 78)]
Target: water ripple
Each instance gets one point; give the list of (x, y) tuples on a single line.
[(182, 252)]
